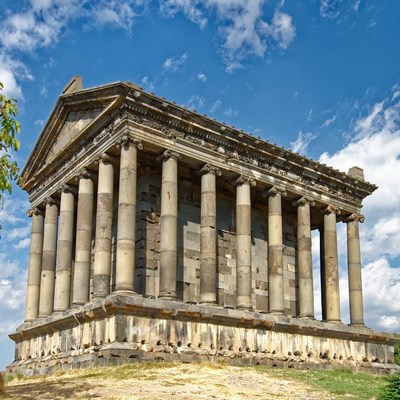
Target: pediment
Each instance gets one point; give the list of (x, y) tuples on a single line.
[(75, 116), (74, 124)]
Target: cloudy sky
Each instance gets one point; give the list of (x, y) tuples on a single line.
[(320, 77)]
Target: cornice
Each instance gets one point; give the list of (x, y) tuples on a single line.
[(132, 106)]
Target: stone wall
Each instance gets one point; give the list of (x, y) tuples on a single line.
[(121, 328), (188, 269)]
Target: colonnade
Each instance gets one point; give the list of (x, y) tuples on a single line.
[(53, 243)]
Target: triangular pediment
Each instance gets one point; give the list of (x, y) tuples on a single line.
[(74, 124), (73, 118)]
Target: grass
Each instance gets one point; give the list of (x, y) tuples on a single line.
[(340, 382), (343, 384)]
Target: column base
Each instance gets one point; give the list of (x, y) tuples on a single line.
[(129, 292), (307, 317), (168, 296), (208, 303), (244, 308), (334, 321), (357, 324), (277, 312)]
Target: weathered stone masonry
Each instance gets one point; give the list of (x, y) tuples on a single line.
[(158, 233)]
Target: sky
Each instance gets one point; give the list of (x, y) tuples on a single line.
[(319, 77)]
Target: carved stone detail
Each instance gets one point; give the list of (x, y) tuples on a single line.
[(210, 169), (169, 154), (242, 179), (331, 209), (303, 201), (274, 190)]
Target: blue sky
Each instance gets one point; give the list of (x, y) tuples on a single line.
[(320, 77)]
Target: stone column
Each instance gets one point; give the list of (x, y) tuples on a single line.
[(83, 244), (35, 264), (304, 258), (243, 242), (332, 299), (125, 266), (208, 235), (104, 214), (322, 272), (354, 265), (169, 224), (64, 249), (48, 259), (275, 251)]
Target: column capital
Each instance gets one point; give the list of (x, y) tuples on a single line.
[(126, 140), (169, 154), (303, 201), (210, 169), (34, 211), (331, 209), (243, 179), (65, 188), (273, 191), (354, 217), (84, 173), (50, 201), (105, 158)]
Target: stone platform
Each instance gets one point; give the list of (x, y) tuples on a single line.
[(125, 328)]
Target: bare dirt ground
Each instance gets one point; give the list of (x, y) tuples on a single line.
[(177, 382)]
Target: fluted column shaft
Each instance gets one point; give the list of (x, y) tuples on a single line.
[(354, 266), (304, 257), (35, 264), (169, 225), (64, 251), (208, 235), (84, 226), (48, 259), (275, 251), (125, 266), (243, 243), (104, 214), (332, 300)]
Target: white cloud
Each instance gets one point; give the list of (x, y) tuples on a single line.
[(241, 26), (217, 104), (330, 8), (22, 244), (309, 115), (147, 84), (230, 112), (201, 77), (282, 29), (19, 233), (11, 71), (375, 147), (301, 143), (196, 102), (192, 9), (174, 64), (329, 122), (42, 23)]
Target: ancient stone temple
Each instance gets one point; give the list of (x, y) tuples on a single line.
[(160, 234)]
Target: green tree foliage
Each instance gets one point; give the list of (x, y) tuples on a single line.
[(9, 128), (397, 353), (392, 389)]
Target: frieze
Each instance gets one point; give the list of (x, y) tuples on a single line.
[(172, 129)]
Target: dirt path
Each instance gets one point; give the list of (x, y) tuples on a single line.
[(181, 382)]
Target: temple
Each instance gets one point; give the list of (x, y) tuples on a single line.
[(161, 234)]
